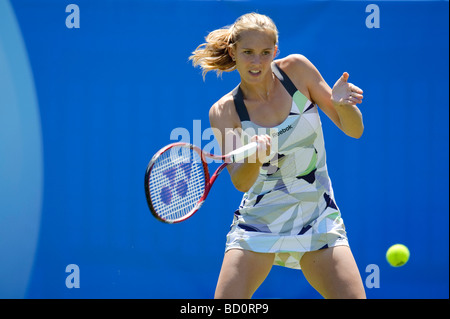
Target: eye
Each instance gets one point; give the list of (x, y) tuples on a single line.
[(247, 52)]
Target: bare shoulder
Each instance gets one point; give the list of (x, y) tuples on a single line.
[(223, 113), (301, 72), (295, 63), (221, 106)]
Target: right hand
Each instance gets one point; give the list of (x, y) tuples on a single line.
[(264, 145)]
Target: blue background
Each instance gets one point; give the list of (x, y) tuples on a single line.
[(83, 110)]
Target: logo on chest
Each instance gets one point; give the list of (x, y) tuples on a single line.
[(282, 131)]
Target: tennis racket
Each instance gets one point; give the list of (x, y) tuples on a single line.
[(177, 179)]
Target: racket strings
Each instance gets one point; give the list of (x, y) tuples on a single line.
[(177, 182)]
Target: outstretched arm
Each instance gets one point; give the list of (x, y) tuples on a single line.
[(339, 103), (344, 97)]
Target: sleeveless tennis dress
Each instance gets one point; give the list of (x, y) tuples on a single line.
[(290, 209)]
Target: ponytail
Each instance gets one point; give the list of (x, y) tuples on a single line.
[(213, 55)]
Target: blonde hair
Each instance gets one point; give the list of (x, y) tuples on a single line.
[(213, 54)]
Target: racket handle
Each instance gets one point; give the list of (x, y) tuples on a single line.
[(243, 152)]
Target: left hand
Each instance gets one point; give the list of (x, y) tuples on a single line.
[(344, 93)]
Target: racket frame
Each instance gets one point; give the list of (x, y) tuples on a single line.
[(209, 181)]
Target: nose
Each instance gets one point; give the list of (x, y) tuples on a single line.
[(256, 59)]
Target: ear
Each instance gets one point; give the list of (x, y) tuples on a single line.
[(231, 52)]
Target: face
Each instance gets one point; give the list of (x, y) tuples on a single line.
[(254, 53)]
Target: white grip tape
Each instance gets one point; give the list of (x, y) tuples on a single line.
[(243, 152)]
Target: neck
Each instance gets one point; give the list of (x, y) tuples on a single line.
[(259, 91)]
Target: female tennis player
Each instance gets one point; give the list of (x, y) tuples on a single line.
[(288, 215)]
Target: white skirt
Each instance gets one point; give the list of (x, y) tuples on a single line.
[(289, 220)]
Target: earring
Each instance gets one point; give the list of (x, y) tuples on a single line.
[(233, 58)]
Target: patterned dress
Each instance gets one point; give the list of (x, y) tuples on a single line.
[(290, 209)]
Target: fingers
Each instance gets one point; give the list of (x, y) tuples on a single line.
[(264, 146), (356, 96), (264, 143), (355, 89), (354, 93), (344, 92), (345, 76), (353, 99), (342, 80)]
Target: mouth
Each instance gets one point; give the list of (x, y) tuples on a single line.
[(255, 72)]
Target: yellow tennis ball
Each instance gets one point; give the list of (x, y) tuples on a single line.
[(397, 255)]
